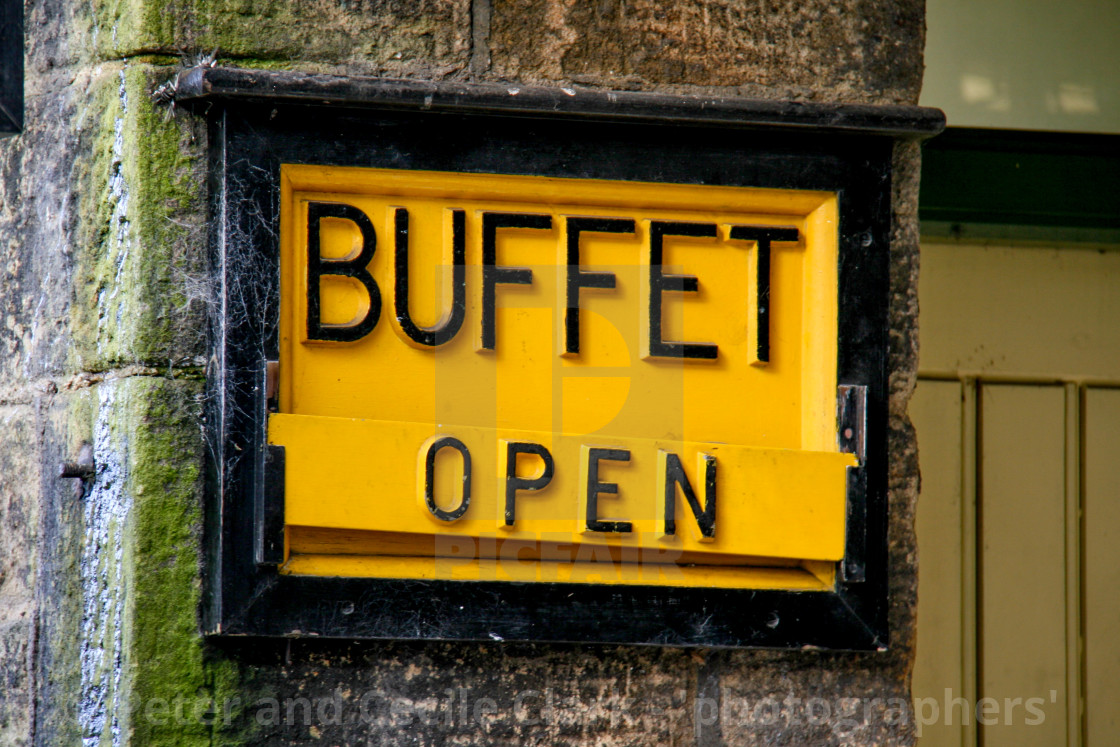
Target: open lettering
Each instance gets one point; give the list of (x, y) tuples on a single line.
[(672, 479)]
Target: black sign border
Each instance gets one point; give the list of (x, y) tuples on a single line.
[(11, 67), (258, 121)]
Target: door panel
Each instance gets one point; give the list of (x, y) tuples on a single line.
[(1021, 565), (1020, 311), (937, 409), (1101, 537)]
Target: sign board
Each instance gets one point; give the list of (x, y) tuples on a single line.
[(496, 377), (503, 363)]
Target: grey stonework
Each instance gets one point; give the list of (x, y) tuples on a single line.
[(102, 342)]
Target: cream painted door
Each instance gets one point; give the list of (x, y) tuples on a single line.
[(1018, 417)]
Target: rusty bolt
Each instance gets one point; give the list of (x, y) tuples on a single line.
[(81, 468)]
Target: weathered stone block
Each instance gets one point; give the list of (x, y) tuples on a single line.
[(15, 695), (372, 36), (860, 51), (466, 694), (19, 468), (102, 252), (64, 421), (140, 287), (35, 224), (140, 566), (19, 504)]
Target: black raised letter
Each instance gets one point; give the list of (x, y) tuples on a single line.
[(660, 282), (449, 325), (492, 274), (577, 278), (318, 266), (674, 475), (430, 478), (594, 488), (763, 235), (515, 483)]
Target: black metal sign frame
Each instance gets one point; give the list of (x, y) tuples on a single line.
[(11, 67), (259, 120)]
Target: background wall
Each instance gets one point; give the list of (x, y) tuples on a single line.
[(1025, 64), (103, 342)]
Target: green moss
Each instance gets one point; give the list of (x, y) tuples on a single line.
[(156, 59), (167, 172), (178, 691), (142, 229), (94, 252), (144, 651), (280, 30)]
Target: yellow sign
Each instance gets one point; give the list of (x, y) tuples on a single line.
[(523, 378)]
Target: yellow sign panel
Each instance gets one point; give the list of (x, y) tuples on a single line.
[(524, 378)]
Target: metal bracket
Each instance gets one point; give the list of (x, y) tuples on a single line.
[(272, 384), (851, 436), (851, 420), (269, 528)]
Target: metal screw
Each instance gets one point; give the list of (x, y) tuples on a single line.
[(73, 469), (82, 468)]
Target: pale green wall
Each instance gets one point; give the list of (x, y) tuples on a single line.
[(1024, 64)]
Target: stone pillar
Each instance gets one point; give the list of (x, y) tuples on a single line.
[(104, 344)]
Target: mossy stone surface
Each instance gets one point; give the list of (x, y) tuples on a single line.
[(169, 659), (369, 35), (143, 663), (141, 287)]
